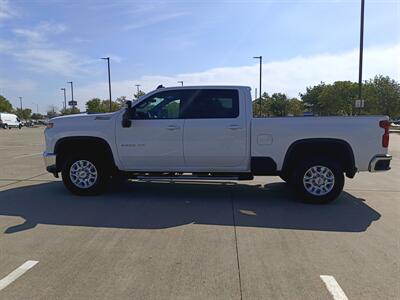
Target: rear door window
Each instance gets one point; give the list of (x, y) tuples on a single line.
[(212, 104)]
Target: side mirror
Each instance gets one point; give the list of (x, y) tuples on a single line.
[(126, 117)]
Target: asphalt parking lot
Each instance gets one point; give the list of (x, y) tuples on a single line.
[(236, 240)]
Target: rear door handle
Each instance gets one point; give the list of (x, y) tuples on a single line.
[(173, 127), (234, 127)]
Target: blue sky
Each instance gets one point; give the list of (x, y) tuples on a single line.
[(44, 44)]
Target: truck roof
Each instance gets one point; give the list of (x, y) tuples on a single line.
[(206, 87)]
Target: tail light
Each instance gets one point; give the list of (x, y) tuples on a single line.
[(385, 137)]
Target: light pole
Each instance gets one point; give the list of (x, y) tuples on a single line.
[(181, 82), (37, 107), (65, 99), (109, 78), (361, 55), (259, 92), (72, 95), (20, 102)]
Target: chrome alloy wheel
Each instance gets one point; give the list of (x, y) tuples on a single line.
[(318, 180), (83, 174)]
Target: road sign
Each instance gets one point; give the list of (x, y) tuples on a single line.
[(72, 103), (359, 104)]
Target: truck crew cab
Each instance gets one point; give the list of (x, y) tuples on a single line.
[(209, 132)]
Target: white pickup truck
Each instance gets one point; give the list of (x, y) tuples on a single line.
[(209, 132)]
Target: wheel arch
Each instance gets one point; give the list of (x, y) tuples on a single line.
[(336, 148), (70, 145)]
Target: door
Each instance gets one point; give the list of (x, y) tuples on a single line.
[(154, 142), (215, 131)]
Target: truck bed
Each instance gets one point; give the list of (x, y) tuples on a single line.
[(272, 137)]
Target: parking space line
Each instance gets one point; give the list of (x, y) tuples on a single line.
[(22, 180), (17, 273), (27, 155), (333, 287), (8, 147), (18, 180), (236, 242)]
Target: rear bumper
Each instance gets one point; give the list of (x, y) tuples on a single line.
[(50, 162), (380, 163)]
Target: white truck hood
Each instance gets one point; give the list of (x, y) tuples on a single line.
[(83, 117)]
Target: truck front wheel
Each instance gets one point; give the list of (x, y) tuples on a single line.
[(85, 175), (285, 178), (318, 180)]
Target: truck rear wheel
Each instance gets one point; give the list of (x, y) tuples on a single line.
[(318, 180), (85, 175)]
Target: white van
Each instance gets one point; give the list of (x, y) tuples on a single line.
[(9, 121)]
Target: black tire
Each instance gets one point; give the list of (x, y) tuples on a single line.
[(99, 184), (5, 126), (310, 192), (19, 126)]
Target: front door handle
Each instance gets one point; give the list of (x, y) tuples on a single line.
[(234, 127), (173, 127)]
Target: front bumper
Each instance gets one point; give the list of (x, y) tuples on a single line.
[(380, 163), (50, 162)]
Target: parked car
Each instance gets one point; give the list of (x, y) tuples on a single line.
[(8, 121), (42, 122), (209, 133), (29, 123), (395, 124)]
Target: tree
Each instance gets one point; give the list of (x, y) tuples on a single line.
[(93, 105), (114, 105), (36, 116), (97, 105), (139, 94), (277, 105), (296, 107), (52, 111), (70, 111), (331, 99), (261, 107), (311, 98), (24, 114), (5, 105), (339, 98), (121, 101), (382, 96)]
